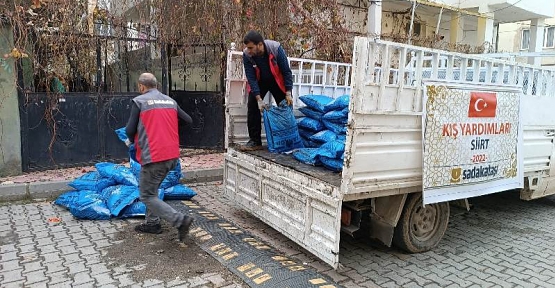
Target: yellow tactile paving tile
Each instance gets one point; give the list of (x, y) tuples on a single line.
[(317, 281), (245, 267)]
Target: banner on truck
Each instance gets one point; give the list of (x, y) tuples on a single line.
[(471, 141)]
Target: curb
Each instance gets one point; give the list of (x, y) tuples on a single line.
[(52, 189), (204, 175)]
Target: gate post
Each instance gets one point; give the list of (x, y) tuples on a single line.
[(10, 137)]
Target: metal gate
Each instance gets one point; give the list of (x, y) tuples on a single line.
[(77, 129), (196, 82), (207, 111)]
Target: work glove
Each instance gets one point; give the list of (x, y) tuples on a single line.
[(289, 98), (262, 105), (127, 142)]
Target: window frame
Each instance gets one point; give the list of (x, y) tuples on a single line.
[(547, 28), (522, 39)]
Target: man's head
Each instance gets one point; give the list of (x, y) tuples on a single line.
[(254, 43), (147, 81)]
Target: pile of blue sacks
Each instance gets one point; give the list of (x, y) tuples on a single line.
[(323, 131), (113, 190)]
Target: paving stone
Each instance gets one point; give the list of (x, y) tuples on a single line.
[(32, 266), (216, 280), (82, 278), (104, 279), (17, 284), (77, 268), (35, 277), (9, 265), (55, 267), (151, 282), (12, 276), (8, 256), (125, 280), (58, 278), (197, 281)]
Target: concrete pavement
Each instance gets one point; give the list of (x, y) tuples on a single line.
[(42, 245), (502, 242)]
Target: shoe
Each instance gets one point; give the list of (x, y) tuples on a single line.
[(151, 229), (251, 146), (183, 229)]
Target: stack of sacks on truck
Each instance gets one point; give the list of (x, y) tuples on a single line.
[(113, 190), (323, 131)]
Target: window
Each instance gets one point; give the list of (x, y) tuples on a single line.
[(525, 40), (549, 35), (416, 29)]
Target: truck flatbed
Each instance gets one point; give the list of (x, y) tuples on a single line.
[(287, 160)]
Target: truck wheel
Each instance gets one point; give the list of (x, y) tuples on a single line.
[(421, 228)]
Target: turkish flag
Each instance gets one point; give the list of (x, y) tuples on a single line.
[(482, 104)]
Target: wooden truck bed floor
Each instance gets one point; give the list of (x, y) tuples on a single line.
[(320, 173)]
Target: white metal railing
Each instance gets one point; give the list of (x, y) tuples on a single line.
[(395, 64), (309, 76)]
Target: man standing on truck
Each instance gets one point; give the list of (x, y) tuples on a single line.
[(153, 127), (266, 69)]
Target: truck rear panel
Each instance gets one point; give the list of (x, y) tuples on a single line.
[(299, 205)]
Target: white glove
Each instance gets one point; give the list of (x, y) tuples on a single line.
[(289, 98), (127, 142), (262, 105)]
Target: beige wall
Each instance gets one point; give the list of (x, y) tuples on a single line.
[(356, 18), (510, 37)]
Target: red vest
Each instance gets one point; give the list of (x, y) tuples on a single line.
[(272, 49), (157, 137)]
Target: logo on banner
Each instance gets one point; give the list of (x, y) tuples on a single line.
[(482, 104), (456, 175)]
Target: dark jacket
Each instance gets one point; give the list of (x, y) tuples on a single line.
[(279, 66)]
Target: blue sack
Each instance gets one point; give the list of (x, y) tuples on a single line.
[(119, 173), (138, 208), (323, 136), (311, 113), (67, 199), (282, 133), (173, 176), (311, 124), (308, 156), (336, 127), (92, 181), (179, 192), (332, 164), (316, 102), (135, 168), (337, 116), (121, 134), (91, 206), (341, 137), (338, 103), (333, 149), (310, 144), (120, 197), (306, 134)]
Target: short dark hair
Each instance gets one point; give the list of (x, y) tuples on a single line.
[(253, 37)]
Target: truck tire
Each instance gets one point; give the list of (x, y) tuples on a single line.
[(421, 228)]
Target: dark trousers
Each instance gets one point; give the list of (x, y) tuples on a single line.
[(254, 119), (152, 176)]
